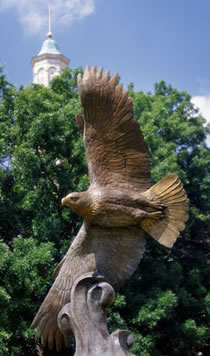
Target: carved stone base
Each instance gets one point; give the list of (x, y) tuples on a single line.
[(85, 316)]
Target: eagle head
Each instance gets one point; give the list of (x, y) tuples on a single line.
[(79, 202)]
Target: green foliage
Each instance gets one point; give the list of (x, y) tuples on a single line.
[(166, 304), (45, 161), (26, 271), (168, 297), (7, 94)]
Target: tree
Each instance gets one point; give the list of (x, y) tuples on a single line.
[(45, 161), (170, 312), (166, 304)]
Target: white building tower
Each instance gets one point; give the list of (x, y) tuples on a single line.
[(49, 62)]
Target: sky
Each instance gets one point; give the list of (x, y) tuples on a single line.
[(145, 41)]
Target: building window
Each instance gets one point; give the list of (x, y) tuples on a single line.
[(40, 76), (52, 73)]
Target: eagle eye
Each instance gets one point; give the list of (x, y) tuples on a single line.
[(74, 199)]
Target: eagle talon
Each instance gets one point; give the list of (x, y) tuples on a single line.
[(157, 205), (157, 215)]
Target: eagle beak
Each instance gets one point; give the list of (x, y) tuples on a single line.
[(70, 200), (65, 201)]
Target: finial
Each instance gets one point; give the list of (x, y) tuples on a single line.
[(49, 23)]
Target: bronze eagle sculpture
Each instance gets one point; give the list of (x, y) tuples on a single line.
[(119, 206)]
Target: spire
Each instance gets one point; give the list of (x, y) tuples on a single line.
[(49, 23), (49, 62)]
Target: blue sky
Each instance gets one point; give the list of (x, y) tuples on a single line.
[(145, 41)]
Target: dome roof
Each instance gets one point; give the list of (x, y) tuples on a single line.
[(49, 46)]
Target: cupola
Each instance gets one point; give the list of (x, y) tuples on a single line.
[(49, 62)]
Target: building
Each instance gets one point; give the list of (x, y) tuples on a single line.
[(48, 63)]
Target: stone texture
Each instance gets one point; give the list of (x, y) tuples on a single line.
[(85, 316)]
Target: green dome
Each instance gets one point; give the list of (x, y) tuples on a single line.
[(49, 46)]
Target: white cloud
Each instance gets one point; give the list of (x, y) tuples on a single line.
[(33, 14), (203, 104)]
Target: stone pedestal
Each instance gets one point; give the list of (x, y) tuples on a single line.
[(85, 316)]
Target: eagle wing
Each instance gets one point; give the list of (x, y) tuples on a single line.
[(89, 252), (116, 152)]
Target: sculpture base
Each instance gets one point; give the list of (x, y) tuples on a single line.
[(85, 316)]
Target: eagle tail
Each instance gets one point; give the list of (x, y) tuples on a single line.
[(170, 192)]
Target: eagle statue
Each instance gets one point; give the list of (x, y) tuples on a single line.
[(119, 207)]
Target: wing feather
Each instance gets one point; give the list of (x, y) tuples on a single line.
[(116, 152), (89, 252)]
